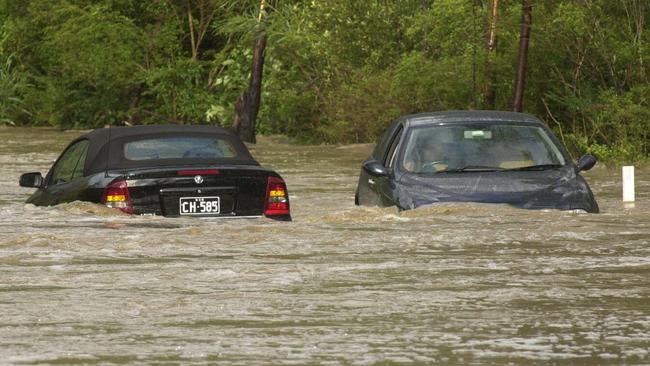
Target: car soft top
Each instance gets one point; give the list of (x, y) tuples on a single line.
[(105, 149)]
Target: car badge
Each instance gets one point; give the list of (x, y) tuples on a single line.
[(198, 179)]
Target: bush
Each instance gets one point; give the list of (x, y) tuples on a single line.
[(615, 127), (359, 111), (13, 85)]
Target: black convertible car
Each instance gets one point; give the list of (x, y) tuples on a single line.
[(473, 156), (163, 170)]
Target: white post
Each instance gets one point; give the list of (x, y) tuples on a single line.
[(628, 184)]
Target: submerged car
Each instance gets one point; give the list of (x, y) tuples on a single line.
[(473, 156), (171, 170)]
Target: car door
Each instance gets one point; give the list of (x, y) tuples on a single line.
[(65, 181), (384, 185), (377, 189)]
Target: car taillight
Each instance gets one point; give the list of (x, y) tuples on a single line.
[(277, 198), (116, 195)]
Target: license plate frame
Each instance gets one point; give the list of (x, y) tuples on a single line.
[(199, 206)]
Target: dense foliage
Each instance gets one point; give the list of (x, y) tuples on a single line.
[(336, 70)]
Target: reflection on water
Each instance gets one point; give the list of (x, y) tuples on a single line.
[(447, 284)]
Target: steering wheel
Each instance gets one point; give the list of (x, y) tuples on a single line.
[(431, 166)]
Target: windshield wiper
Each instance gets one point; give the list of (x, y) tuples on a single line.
[(536, 167), (473, 168)]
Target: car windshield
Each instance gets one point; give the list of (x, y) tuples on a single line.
[(186, 147), (479, 147)]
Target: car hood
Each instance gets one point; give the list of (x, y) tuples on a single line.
[(555, 188)]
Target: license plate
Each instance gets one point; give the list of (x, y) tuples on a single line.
[(199, 205)]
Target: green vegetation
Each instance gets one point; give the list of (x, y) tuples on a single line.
[(335, 71)]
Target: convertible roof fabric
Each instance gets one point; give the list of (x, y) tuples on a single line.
[(106, 146)]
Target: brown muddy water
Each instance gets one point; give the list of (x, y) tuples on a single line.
[(451, 284)]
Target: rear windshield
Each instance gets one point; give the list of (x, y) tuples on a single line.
[(185, 147)]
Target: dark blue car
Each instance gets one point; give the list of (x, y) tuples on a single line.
[(473, 156)]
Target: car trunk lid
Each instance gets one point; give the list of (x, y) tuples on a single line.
[(201, 191)]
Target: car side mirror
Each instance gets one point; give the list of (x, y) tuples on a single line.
[(585, 163), (31, 180), (373, 167)]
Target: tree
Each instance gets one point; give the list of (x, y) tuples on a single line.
[(524, 40), (490, 74), (333, 71), (90, 60), (198, 15), (248, 104)]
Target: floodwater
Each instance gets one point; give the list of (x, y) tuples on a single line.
[(452, 284)]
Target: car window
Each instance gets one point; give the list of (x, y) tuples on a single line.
[(377, 151), (185, 147), (382, 143), (390, 155), (70, 165), (500, 146)]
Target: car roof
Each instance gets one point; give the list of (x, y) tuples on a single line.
[(476, 116), (103, 134), (104, 154)]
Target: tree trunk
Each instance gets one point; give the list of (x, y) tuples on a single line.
[(490, 74), (524, 39), (190, 23), (248, 104), (207, 10)]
